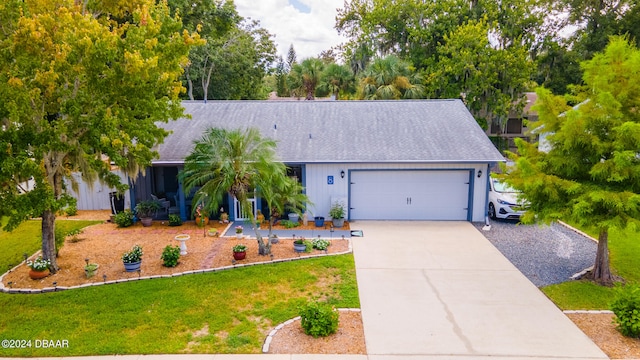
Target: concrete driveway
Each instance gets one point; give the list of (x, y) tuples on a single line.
[(436, 290)]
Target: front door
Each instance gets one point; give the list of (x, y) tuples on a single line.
[(241, 213)]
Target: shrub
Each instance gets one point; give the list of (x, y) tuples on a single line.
[(309, 245), (288, 224), (124, 219), (626, 307), (321, 244), (170, 256), (174, 220), (318, 319), (71, 210)]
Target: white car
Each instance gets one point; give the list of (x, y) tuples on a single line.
[(503, 201)]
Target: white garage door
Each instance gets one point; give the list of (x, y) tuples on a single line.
[(409, 195)]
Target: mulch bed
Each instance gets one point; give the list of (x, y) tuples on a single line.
[(105, 243)]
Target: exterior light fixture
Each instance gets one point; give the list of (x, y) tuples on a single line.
[(479, 173), (342, 174)]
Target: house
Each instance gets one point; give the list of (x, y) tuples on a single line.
[(385, 160), (516, 126)]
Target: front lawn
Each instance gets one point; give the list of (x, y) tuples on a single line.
[(624, 250), (224, 312), (27, 239)]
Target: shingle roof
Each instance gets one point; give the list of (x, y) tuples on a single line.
[(342, 131)]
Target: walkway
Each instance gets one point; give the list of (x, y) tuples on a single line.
[(435, 290)]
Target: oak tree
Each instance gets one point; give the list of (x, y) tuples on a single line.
[(83, 85)]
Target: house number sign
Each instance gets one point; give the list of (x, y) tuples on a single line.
[(330, 179)]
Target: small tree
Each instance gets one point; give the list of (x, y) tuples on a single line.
[(281, 193), (82, 89), (234, 162), (591, 174)]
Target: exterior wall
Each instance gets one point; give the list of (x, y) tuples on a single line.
[(321, 193), (95, 196)]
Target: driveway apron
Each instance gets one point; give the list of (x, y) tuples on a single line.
[(438, 290)]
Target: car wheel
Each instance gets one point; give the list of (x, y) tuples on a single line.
[(492, 211)]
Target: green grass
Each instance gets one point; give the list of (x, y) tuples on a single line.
[(27, 239), (164, 315), (624, 252)]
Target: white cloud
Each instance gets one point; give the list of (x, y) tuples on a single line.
[(310, 33)]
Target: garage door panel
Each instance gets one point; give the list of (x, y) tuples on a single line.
[(409, 195)]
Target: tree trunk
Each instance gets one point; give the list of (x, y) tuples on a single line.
[(49, 239), (263, 248), (189, 84), (601, 270)]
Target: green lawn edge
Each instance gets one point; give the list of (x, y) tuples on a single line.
[(624, 253), (226, 312)]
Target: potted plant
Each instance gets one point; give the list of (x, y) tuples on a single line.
[(239, 231), (337, 214), (132, 259), (224, 217), (90, 269), (299, 245), (202, 216), (213, 232), (239, 251), (39, 268), (145, 210), (259, 218), (294, 217)]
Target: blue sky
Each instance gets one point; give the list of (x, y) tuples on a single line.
[(307, 24)]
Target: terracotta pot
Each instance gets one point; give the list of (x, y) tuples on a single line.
[(202, 221), (146, 221), (38, 274), (239, 255)]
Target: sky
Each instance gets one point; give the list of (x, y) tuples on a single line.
[(307, 24)]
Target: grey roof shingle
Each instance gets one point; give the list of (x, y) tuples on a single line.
[(342, 131)]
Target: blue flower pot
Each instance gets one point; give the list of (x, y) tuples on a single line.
[(319, 220), (131, 267)]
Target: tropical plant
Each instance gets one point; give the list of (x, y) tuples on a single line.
[(305, 77), (124, 219), (336, 78), (319, 319), (232, 162), (133, 256), (170, 255), (281, 192), (39, 264), (146, 208), (390, 78)]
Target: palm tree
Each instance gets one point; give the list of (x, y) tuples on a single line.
[(281, 193), (305, 77), (234, 162), (336, 78), (390, 78)]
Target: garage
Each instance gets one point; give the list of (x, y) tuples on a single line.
[(410, 194)]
